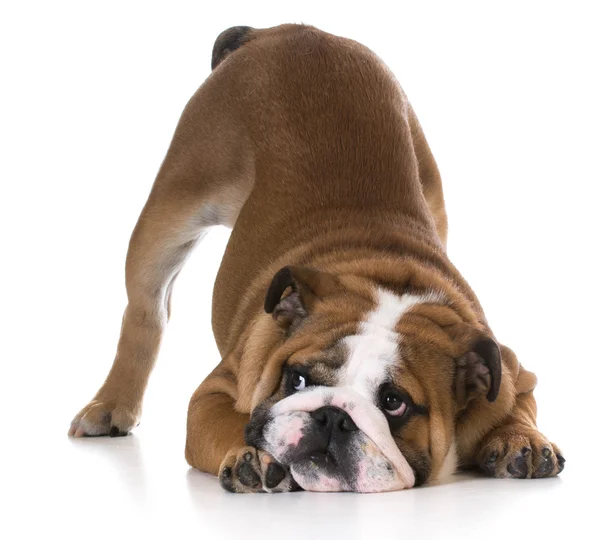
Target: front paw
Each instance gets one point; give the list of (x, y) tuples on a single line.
[(249, 470), (516, 451), (103, 417)]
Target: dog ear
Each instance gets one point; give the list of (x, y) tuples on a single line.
[(294, 290), (479, 371)]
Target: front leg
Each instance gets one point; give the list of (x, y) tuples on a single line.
[(516, 449), (215, 440)]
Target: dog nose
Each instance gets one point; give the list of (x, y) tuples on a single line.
[(333, 419)]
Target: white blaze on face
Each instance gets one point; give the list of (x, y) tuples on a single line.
[(374, 349)]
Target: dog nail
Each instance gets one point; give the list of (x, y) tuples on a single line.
[(546, 452), (493, 457), (248, 456), (275, 474), (226, 472)]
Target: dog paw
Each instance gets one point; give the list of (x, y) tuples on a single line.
[(519, 452), (248, 470), (100, 417)]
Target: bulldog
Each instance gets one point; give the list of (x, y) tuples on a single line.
[(355, 357)]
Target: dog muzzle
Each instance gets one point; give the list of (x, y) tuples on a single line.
[(334, 439)]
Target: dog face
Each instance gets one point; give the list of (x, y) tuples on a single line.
[(366, 383)]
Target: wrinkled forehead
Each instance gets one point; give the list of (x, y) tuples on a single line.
[(366, 358)]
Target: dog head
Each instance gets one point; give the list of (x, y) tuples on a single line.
[(363, 387)]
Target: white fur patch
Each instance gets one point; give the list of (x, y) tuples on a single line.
[(374, 349), (450, 463)]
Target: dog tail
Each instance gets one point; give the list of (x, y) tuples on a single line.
[(228, 41)]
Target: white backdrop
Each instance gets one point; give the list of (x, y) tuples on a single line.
[(507, 94)]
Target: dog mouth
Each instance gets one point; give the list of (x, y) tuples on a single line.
[(334, 439), (328, 460), (324, 460), (316, 469)]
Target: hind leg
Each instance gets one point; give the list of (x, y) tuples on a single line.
[(204, 181), (163, 237)]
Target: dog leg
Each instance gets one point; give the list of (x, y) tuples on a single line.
[(215, 439), (516, 449), (205, 180), (163, 238)]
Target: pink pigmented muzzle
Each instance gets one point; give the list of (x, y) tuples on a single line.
[(371, 459)]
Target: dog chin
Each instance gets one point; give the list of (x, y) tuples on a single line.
[(366, 473)]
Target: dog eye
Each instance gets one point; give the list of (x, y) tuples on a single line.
[(298, 381), (393, 404)]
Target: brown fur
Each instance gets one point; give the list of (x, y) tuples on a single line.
[(306, 145)]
